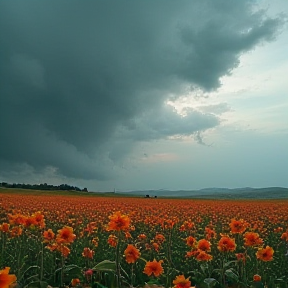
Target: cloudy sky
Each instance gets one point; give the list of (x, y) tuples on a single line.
[(144, 94)]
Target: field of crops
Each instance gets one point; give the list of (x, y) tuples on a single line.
[(81, 240)]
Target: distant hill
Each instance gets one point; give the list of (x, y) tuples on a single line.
[(218, 193)]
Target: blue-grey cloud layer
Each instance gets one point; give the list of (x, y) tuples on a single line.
[(82, 82)]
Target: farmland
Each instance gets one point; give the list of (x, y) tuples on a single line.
[(80, 239)]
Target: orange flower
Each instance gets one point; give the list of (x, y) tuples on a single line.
[(190, 241), (95, 241), (241, 257), (204, 245), (4, 227), (128, 235), (88, 253), (118, 222), (238, 226), (64, 250), (181, 282), (112, 240), (192, 253), (16, 219), (30, 222), (75, 282), (256, 278), (48, 235), (284, 236), (265, 254), (154, 267), (187, 225), (52, 247), (252, 239), (142, 237), (203, 256), (210, 233), (39, 219), (278, 230), (226, 244), (160, 238), (91, 227), (16, 231), (65, 235), (5, 279), (155, 246), (131, 253)]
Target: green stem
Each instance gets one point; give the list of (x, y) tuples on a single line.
[(41, 262), (169, 248), (3, 238), (132, 274), (118, 271), (223, 270), (62, 271), (19, 257)]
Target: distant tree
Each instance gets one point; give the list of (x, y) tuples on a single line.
[(42, 186)]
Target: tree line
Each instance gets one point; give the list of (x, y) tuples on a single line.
[(43, 186)]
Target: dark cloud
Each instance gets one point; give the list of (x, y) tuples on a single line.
[(81, 83)]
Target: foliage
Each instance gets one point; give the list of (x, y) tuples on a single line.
[(127, 242)]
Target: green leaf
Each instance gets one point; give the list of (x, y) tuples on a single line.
[(71, 271), (204, 267), (31, 267), (124, 272), (153, 281), (37, 284), (230, 274), (28, 269), (99, 285), (227, 264), (105, 265), (217, 271), (210, 282), (70, 268), (258, 285), (143, 259), (280, 280)]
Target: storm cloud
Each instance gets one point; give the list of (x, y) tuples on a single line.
[(83, 82)]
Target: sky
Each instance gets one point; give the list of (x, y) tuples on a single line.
[(139, 95)]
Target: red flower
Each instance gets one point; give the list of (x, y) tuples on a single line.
[(256, 278), (238, 226), (265, 254), (190, 241), (153, 267), (118, 222), (226, 244), (181, 282), (88, 253), (131, 253), (65, 235), (204, 245)]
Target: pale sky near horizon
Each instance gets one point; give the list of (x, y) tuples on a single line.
[(144, 95)]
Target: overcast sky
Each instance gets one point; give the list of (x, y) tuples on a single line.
[(132, 95)]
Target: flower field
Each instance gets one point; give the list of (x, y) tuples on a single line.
[(82, 240)]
